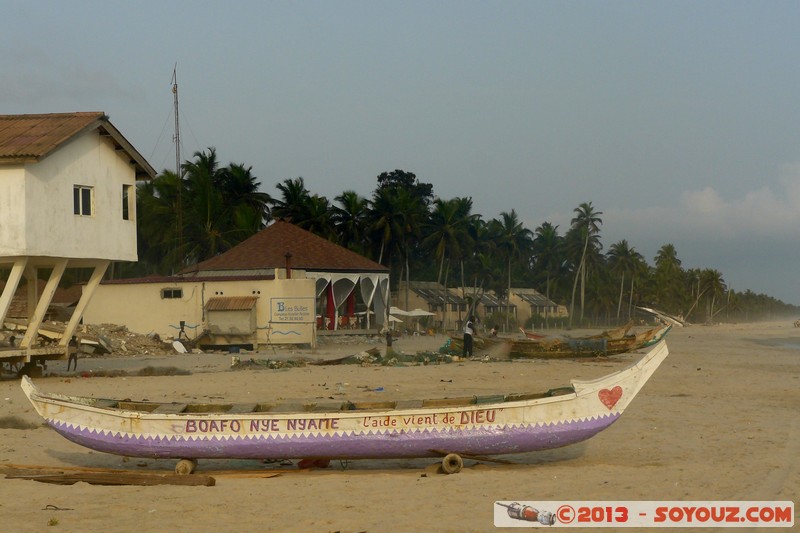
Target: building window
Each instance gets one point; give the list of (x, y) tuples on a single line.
[(171, 293), (126, 202), (82, 200)]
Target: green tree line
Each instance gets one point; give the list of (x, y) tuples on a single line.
[(210, 208)]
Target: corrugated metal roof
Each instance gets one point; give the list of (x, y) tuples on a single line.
[(34, 136), (231, 303), (533, 297), (434, 293), (491, 300), (437, 296), (29, 138)]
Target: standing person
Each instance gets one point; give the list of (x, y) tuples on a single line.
[(388, 340), (469, 331), (73, 353)]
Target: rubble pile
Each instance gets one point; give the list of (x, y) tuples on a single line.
[(119, 341)]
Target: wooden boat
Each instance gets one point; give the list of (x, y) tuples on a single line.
[(664, 317), (562, 347), (455, 344), (472, 426), (616, 333), (533, 336)]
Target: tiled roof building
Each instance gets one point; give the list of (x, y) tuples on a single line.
[(341, 274), (268, 249)]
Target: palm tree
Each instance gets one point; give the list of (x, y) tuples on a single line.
[(624, 259), (247, 206), (157, 216), (350, 218), (401, 196), (293, 205), (396, 216), (414, 214), (548, 253), (587, 224), (317, 217), (514, 241), (667, 259), (668, 278), (733, 305), (692, 285), (206, 229), (450, 231), (603, 298), (715, 287), (386, 223), (481, 270), (220, 207)]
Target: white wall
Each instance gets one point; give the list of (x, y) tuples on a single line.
[(272, 329), (140, 308), (12, 211), (42, 203)]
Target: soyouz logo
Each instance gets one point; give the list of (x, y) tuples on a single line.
[(528, 513), (644, 514)]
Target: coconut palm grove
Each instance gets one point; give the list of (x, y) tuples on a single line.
[(210, 208)]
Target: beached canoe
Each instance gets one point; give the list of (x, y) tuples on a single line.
[(562, 347), (533, 336), (616, 333), (454, 345), (452, 427)]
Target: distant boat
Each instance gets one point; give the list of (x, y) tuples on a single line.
[(531, 335), (454, 345), (566, 347), (664, 317), (558, 347), (470, 426), (616, 333)]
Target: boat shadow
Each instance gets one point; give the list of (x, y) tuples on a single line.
[(102, 461)]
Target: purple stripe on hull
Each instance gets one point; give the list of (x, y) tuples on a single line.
[(477, 441)]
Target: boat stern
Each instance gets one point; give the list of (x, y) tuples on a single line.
[(32, 393)]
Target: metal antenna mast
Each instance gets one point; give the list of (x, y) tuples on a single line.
[(177, 139)]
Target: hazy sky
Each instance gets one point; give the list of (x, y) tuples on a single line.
[(679, 121)]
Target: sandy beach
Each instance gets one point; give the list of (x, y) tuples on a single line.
[(719, 420)]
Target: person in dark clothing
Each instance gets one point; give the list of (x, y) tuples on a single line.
[(73, 353), (469, 332)]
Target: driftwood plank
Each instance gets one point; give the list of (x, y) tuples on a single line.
[(117, 478), (15, 471)]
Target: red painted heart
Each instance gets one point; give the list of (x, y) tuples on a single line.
[(610, 397)]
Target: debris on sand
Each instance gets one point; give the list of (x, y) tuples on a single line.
[(120, 341)]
